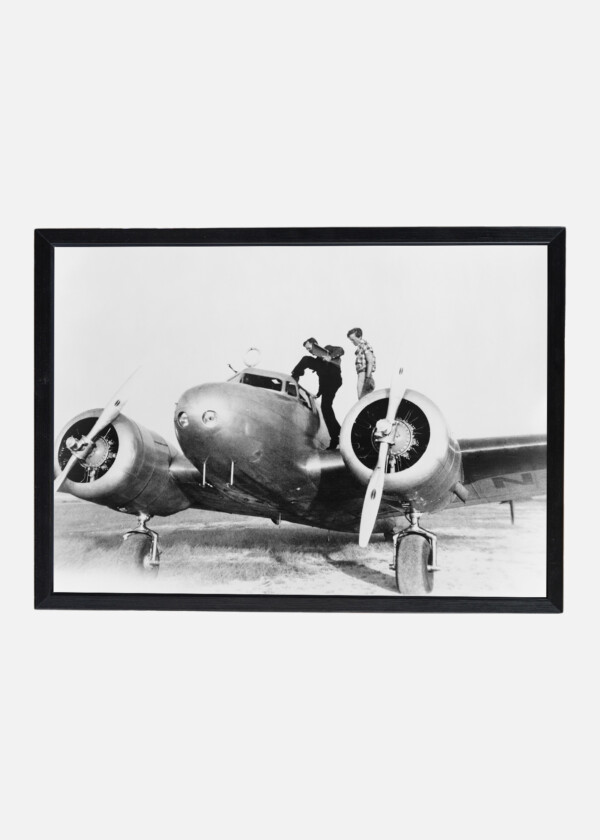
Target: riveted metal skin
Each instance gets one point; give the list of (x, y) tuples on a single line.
[(255, 445)]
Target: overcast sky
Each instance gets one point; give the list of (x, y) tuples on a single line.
[(468, 324)]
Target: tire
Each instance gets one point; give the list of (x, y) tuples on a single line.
[(136, 551), (413, 555)]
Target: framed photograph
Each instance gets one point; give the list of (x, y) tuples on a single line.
[(300, 419)]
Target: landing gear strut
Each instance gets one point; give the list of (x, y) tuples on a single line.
[(415, 558), (146, 553)]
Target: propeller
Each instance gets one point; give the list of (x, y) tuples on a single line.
[(383, 430), (109, 413)]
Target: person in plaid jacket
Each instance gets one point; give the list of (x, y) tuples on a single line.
[(365, 362)]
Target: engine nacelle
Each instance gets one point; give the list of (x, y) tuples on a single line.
[(128, 468), (424, 464)]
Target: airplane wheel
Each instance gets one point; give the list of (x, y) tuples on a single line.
[(412, 558), (137, 550)]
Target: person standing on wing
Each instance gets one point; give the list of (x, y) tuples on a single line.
[(365, 362), (326, 363)]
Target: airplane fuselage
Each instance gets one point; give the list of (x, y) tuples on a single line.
[(265, 450)]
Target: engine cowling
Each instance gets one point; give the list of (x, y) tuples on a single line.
[(424, 464), (128, 468)]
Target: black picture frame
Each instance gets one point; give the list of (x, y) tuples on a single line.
[(47, 240)]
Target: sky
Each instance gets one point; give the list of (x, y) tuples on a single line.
[(466, 323)]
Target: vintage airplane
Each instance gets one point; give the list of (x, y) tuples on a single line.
[(257, 445)]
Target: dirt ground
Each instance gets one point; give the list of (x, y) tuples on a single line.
[(479, 551)]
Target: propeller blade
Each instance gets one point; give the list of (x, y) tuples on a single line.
[(109, 413), (374, 492), (397, 390), (61, 478), (373, 495)]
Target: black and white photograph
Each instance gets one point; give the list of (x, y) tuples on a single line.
[(300, 348), (332, 420)]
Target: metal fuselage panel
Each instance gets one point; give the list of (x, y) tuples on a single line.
[(258, 451)]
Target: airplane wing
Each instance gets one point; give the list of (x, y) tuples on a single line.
[(495, 470), (503, 469)]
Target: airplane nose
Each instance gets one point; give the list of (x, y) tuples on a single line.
[(205, 410), (214, 421), (200, 409)]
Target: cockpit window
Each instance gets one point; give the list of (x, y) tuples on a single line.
[(291, 389), (271, 383)]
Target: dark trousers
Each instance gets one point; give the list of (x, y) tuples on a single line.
[(328, 392), (330, 381)]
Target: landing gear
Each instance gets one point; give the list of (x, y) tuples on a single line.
[(414, 558), (144, 546)]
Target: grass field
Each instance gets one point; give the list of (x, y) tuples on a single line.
[(480, 553)]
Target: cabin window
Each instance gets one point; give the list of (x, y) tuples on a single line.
[(271, 383), (291, 389)]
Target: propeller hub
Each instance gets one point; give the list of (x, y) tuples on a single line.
[(99, 453), (383, 429), (404, 439), (80, 447)]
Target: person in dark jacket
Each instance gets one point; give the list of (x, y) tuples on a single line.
[(326, 363)]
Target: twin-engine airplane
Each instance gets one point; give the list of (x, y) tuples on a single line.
[(257, 445)]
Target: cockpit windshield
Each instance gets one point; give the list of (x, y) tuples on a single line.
[(271, 383)]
